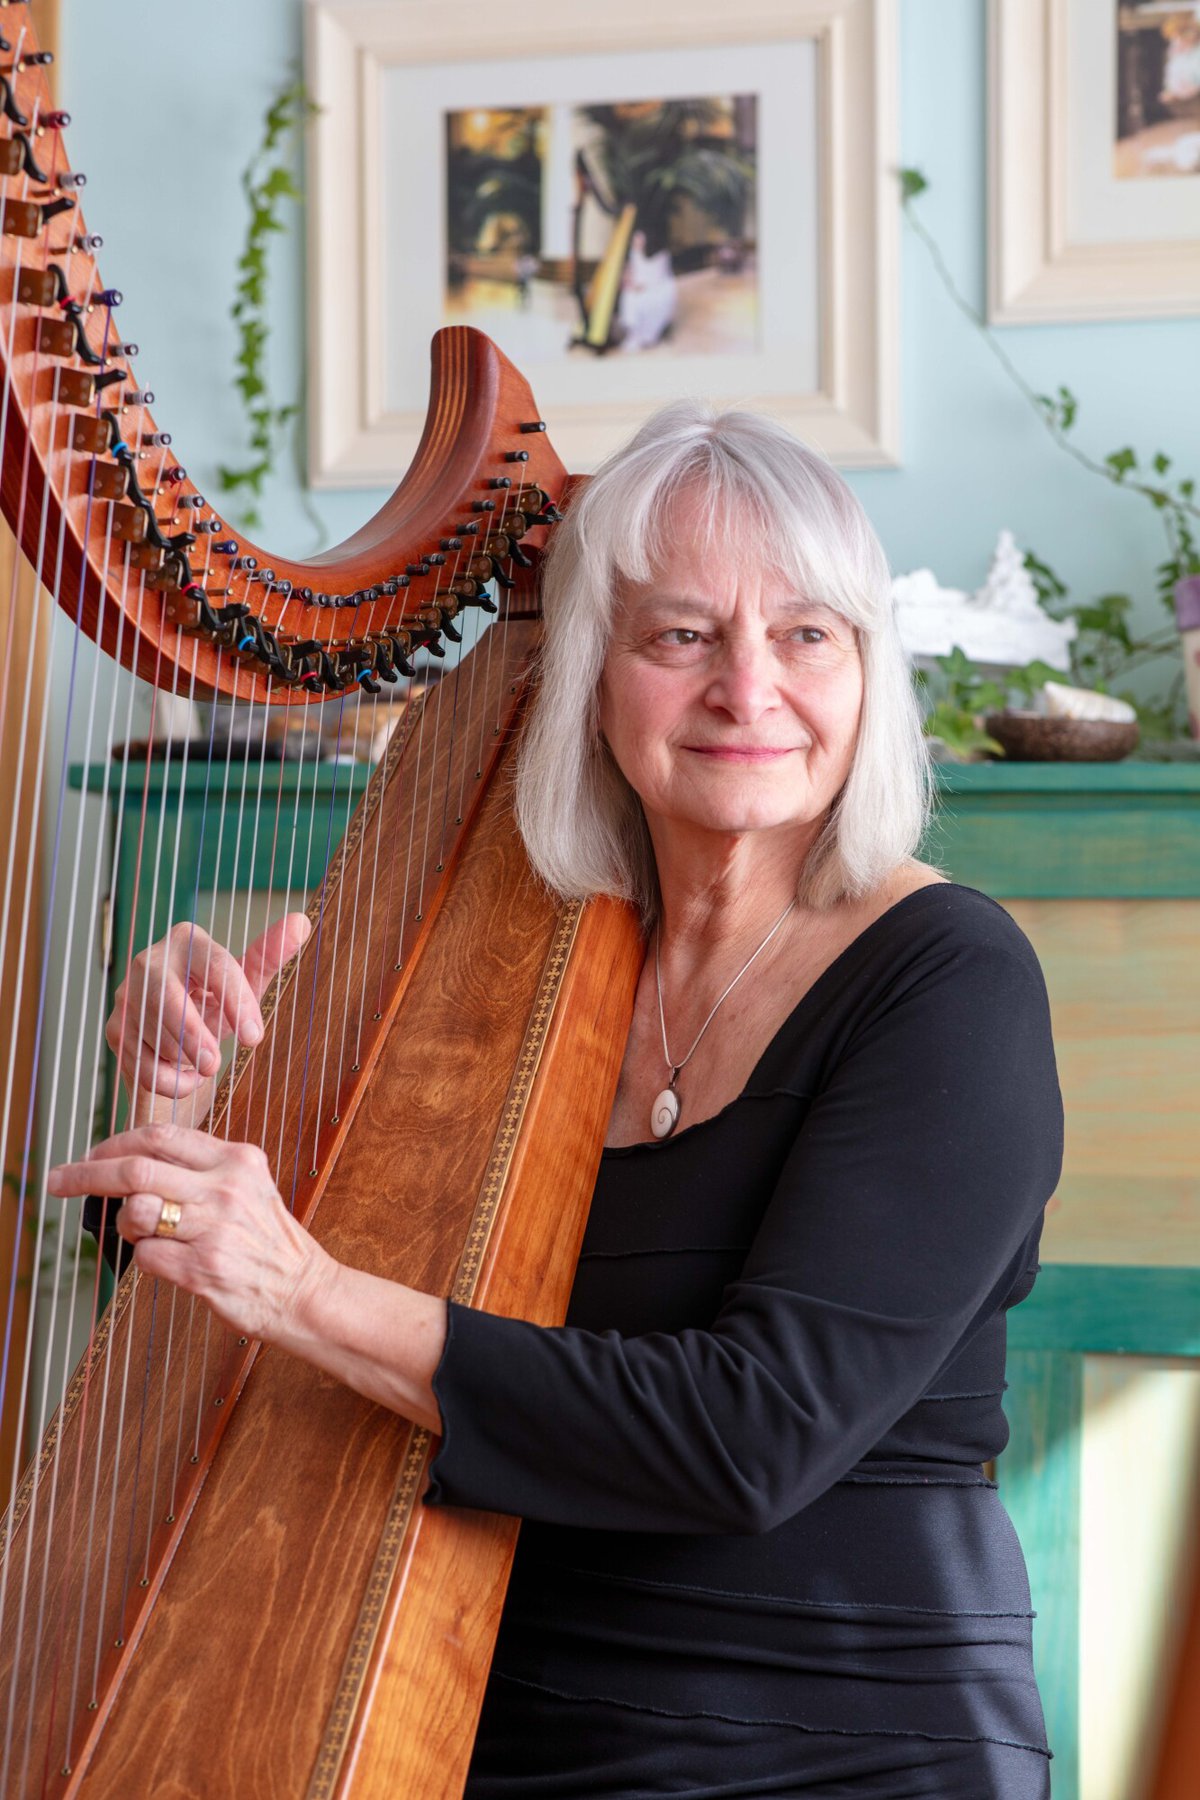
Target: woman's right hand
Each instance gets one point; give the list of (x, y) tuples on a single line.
[(180, 999)]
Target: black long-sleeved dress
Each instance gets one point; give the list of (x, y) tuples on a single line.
[(761, 1556)]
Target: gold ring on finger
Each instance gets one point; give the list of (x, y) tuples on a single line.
[(168, 1219)]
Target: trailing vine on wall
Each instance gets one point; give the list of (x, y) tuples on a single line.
[(271, 188), (1106, 650)]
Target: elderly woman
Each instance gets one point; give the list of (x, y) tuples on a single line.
[(762, 1556)]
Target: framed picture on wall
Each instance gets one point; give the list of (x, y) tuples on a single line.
[(635, 202), (1094, 159)]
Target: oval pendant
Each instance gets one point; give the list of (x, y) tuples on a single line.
[(664, 1114)]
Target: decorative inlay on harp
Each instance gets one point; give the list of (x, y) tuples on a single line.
[(217, 1578)]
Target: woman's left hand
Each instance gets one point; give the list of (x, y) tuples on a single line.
[(235, 1245)]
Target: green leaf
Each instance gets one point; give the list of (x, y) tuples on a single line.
[(281, 182), (1161, 463), (1121, 462), (957, 662), (1049, 586), (912, 183)]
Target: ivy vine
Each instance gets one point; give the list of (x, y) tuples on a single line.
[(1106, 650), (270, 187)]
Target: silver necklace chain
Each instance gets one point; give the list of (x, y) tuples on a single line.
[(675, 1067)]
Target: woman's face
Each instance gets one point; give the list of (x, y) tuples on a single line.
[(729, 701)]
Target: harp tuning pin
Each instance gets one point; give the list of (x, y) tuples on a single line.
[(452, 543), (305, 594), (483, 506), (195, 501), (516, 456), (534, 425), (41, 287), (90, 433), (35, 59), (58, 121), (16, 155), (109, 297), (436, 560), (160, 439), (29, 218), (71, 178), (123, 350), (8, 102), (500, 481), (88, 241), (421, 568), (227, 547), (246, 562)]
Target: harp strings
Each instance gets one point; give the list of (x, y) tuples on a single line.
[(69, 862), (95, 1498), (140, 1409), (71, 882)]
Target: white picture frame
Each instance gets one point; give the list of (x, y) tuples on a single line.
[(353, 46), (1063, 240)]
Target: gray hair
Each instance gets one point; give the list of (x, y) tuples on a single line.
[(581, 822)]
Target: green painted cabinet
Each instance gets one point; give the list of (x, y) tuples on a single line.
[(1100, 864), (225, 844)]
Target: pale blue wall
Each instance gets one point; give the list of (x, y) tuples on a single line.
[(974, 457)]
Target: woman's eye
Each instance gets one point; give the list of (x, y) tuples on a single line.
[(811, 634), (679, 634)]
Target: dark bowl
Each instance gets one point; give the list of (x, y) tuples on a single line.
[(1030, 737)]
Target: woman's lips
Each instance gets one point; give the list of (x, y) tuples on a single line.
[(741, 752)]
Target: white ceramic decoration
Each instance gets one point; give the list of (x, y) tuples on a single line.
[(1084, 703), (1001, 623)]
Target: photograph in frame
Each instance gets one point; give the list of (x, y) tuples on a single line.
[(627, 227), (1094, 163), (682, 199), (1158, 91)]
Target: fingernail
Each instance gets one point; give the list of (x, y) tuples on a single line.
[(209, 1061), (251, 1031)]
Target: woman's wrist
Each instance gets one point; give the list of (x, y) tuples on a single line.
[(380, 1338)]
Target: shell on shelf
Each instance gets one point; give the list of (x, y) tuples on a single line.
[(1062, 702)]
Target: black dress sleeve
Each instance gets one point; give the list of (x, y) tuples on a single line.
[(99, 1217), (896, 1228)]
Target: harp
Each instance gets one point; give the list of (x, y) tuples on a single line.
[(217, 1577)]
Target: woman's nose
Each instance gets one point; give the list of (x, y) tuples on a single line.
[(743, 682)]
